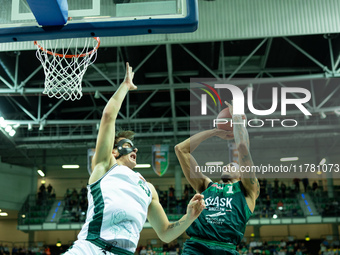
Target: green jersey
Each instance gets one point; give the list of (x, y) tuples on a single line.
[(226, 214)]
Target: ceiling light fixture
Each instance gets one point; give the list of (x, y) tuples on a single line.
[(323, 161), (41, 173), (289, 159), (217, 163), (337, 112), (70, 166), (323, 115), (142, 166)]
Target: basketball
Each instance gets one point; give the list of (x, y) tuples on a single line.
[(224, 120), (225, 125)]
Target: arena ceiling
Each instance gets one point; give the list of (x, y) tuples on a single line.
[(52, 132)]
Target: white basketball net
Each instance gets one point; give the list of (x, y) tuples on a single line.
[(65, 65)]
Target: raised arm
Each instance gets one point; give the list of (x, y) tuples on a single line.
[(183, 150), (165, 230), (102, 160), (197, 180), (248, 178)]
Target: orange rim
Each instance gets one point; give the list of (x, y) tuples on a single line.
[(70, 56)]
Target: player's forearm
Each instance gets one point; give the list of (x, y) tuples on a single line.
[(190, 144), (241, 137), (240, 132), (114, 104), (175, 229)]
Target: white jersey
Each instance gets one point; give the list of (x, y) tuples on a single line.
[(117, 208)]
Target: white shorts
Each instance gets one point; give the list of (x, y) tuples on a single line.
[(81, 247)]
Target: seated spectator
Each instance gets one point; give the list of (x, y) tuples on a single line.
[(280, 205), (303, 249), (264, 213), (47, 250), (257, 251), (271, 212), (298, 252), (283, 244), (252, 244), (282, 251), (149, 249), (325, 242), (323, 249), (143, 251), (243, 251), (83, 192), (1, 249), (14, 250), (6, 249), (290, 249), (250, 251)]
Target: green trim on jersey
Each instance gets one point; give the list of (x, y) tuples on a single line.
[(96, 223)]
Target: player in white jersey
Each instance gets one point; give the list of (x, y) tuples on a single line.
[(120, 199)]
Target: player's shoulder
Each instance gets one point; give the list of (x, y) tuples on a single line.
[(153, 190), (150, 185)]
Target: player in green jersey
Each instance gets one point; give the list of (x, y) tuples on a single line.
[(220, 228)]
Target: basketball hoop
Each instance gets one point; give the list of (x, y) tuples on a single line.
[(64, 71)]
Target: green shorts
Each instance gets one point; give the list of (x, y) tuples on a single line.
[(195, 246)]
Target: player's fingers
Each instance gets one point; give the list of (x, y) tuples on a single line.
[(226, 103), (193, 203), (198, 197), (202, 204)]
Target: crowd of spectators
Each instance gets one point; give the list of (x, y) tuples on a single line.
[(329, 247), (254, 247), (273, 248), (75, 205), (173, 248), (326, 205), (22, 250)]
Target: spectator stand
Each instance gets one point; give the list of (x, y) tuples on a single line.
[(325, 205), (75, 206), (277, 245), (35, 210), (22, 248), (157, 247), (281, 207)]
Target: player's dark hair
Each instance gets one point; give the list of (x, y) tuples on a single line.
[(128, 134)]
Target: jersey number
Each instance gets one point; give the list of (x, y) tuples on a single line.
[(230, 191)]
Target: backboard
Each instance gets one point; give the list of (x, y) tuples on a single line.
[(19, 21)]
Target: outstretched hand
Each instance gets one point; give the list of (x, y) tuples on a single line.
[(195, 206), (231, 110), (230, 106), (128, 80), (224, 134)]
